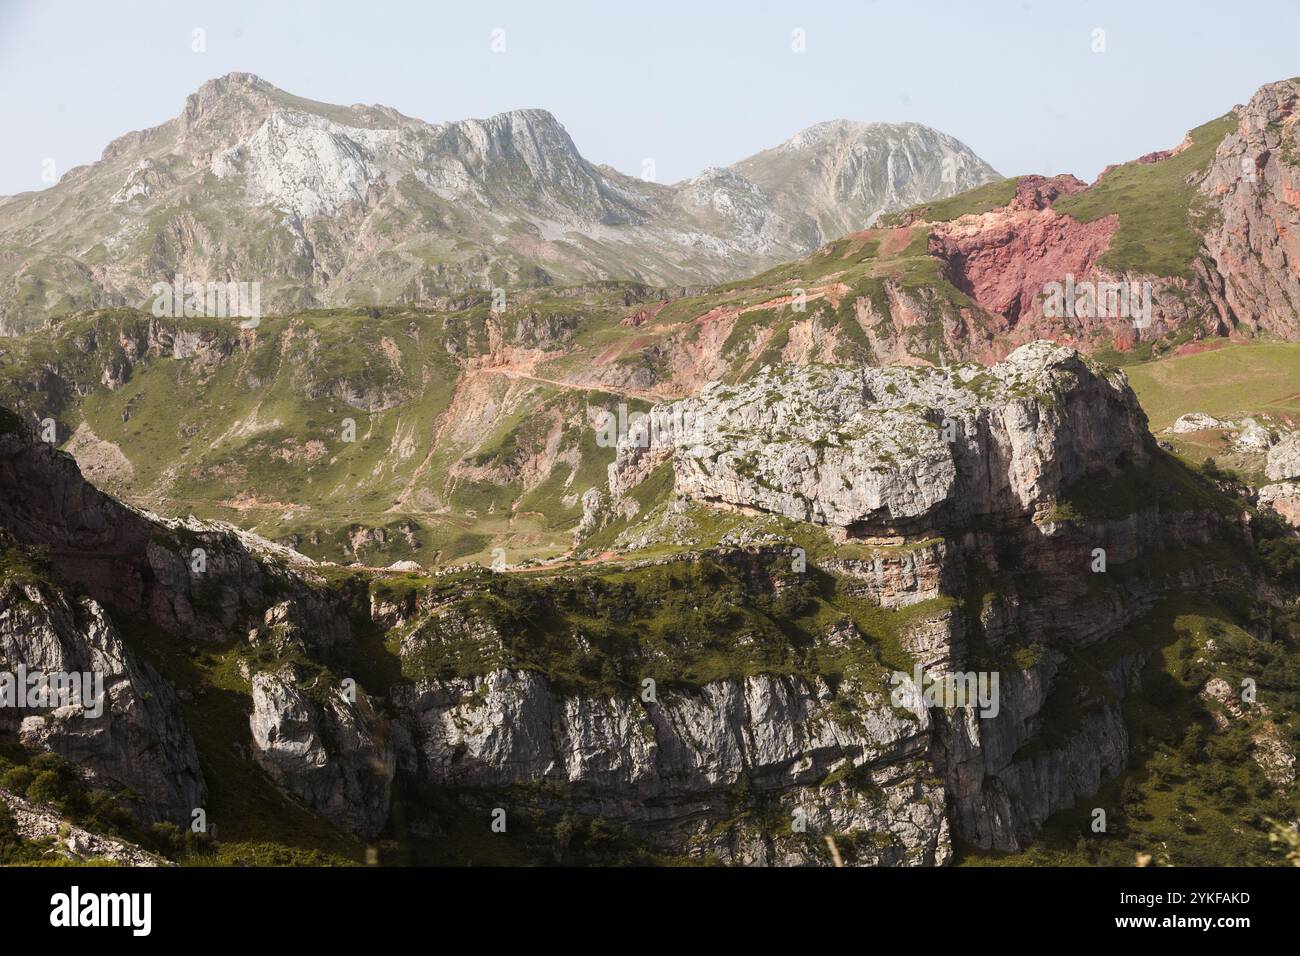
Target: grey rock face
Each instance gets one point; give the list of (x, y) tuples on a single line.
[(1195, 422), (1001, 797), (594, 503), (322, 748), (1284, 458), (865, 453), (667, 766), (138, 743), (886, 451)]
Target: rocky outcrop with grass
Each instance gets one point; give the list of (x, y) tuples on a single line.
[(872, 451), (45, 831)]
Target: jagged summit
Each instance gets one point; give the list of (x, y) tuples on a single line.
[(842, 128)]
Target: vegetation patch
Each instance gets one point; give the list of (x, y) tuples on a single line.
[(1157, 207)]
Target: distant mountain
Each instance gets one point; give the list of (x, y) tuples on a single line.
[(845, 174), (332, 205)]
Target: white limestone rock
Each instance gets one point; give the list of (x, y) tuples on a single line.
[(1284, 459), (893, 449)]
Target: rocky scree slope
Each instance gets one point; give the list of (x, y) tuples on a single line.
[(361, 205)]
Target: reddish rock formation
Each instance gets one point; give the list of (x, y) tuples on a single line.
[(1003, 259), (1253, 247), (1245, 280), (643, 315), (1039, 192)]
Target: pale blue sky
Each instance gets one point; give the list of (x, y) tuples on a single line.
[(691, 84)]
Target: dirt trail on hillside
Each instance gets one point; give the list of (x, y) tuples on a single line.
[(642, 393)]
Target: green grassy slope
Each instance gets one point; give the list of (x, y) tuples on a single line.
[(975, 201), (1234, 380), (256, 431), (1157, 207)]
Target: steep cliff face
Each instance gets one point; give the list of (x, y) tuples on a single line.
[(326, 748), (691, 773), (1047, 467), (1252, 243)]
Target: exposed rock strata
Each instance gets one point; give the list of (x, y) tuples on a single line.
[(673, 768)]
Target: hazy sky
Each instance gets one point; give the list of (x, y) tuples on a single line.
[(689, 84)]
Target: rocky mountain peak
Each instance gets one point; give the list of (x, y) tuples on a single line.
[(219, 88), (531, 141), (852, 172), (223, 112), (843, 130), (327, 204)]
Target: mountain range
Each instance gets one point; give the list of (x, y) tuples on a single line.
[(332, 205)]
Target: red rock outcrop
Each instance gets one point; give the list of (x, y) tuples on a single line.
[(1003, 259), (1246, 277)]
